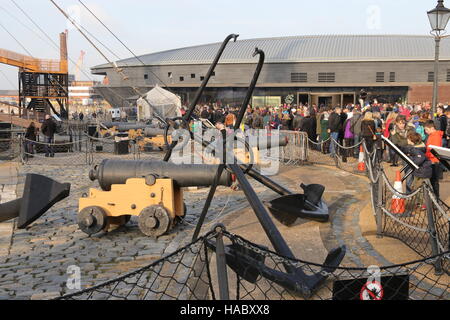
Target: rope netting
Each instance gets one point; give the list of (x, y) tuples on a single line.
[(70, 153), (86, 151), (419, 219), (183, 275), (256, 273)]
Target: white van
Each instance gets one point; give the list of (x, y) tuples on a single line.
[(115, 114)]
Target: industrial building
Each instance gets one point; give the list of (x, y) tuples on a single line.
[(328, 70)]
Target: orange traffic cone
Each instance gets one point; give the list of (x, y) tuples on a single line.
[(398, 204), (361, 163)]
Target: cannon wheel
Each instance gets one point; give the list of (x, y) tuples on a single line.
[(154, 221), (92, 220)]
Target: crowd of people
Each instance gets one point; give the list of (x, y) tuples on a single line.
[(412, 128)]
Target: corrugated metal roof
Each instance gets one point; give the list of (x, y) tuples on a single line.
[(329, 48)]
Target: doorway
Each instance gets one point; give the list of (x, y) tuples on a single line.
[(326, 101), (348, 99), (304, 99)]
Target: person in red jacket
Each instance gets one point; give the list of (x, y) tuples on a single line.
[(434, 139)]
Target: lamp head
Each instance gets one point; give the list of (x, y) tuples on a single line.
[(439, 17)]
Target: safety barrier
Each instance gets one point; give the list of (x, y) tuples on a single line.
[(419, 219), (73, 153), (9, 143), (296, 151), (85, 151), (199, 272)]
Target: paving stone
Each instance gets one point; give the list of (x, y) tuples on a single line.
[(8, 265), (46, 295), (88, 267), (24, 294), (124, 259)]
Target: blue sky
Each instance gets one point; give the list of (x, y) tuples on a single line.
[(153, 25)]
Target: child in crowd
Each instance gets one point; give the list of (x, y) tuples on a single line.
[(399, 137), (434, 139), (416, 151)]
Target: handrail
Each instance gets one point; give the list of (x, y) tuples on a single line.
[(32, 64)]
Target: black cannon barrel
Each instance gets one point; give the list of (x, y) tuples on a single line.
[(123, 127), (264, 143), (109, 125), (111, 172), (153, 132)]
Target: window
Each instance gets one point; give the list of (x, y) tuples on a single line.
[(263, 101), (448, 75), (430, 76), (202, 78), (380, 76), (146, 76), (299, 77), (213, 74), (327, 77), (169, 74), (192, 75), (392, 77), (181, 78)]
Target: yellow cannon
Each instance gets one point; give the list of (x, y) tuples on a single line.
[(150, 190)]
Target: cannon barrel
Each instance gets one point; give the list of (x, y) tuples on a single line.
[(153, 132), (109, 125), (111, 172), (262, 143), (149, 132), (265, 143)]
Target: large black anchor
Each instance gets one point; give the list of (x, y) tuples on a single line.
[(39, 195), (294, 279)]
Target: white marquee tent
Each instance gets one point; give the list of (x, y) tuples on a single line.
[(163, 102)]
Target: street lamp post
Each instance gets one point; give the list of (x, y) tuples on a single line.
[(439, 18)]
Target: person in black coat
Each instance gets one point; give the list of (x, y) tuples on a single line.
[(30, 136), (334, 128), (416, 151), (48, 128), (441, 121), (308, 125), (204, 114)]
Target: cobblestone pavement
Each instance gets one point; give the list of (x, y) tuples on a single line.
[(8, 181), (34, 262)]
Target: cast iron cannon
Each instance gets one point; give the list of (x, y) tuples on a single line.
[(151, 190)]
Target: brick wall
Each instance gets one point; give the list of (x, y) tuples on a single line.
[(423, 93)]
